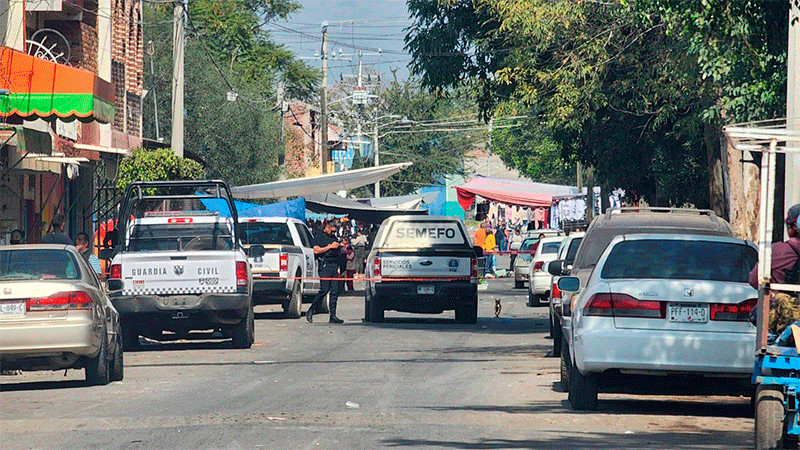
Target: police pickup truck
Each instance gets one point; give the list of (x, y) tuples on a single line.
[(422, 264), (283, 265), (178, 268)]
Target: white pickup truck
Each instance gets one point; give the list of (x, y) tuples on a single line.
[(283, 266), (178, 268), (422, 264)]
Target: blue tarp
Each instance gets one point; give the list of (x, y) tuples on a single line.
[(292, 208)]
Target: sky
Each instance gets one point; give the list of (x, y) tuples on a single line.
[(353, 25)]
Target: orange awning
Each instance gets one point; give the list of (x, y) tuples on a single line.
[(44, 89)]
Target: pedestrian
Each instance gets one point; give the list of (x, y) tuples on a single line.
[(82, 244), (501, 238), (350, 264), (489, 247), (56, 234), (785, 269), (326, 248), (480, 235), (514, 245), (16, 237), (359, 245)]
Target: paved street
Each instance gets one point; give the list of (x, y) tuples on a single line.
[(412, 381)]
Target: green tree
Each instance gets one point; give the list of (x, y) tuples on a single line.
[(226, 50), (156, 165)]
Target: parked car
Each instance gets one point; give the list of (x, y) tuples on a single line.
[(625, 221), (539, 279), (567, 251), (528, 246), (55, 314), (422, 264), (662, 305), (283, 265)]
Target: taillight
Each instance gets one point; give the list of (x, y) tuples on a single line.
[(241, 273), (623, 305), (473, 270), (61, 301), (538, 265), (556, 291), (116, 271), (739, 312), (284, 262), (376, 270)]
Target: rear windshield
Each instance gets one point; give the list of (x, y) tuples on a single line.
[(415, 234), (265, 233), (572, 250), (550, 247), (528, 243), (180, 237), (38, 264), (680, 260)]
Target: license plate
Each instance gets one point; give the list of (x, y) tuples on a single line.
[(687, 312), (12, 309), (425, 290)]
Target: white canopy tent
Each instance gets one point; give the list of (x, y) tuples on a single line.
[(321, 184)]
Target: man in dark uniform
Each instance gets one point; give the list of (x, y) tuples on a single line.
[(56, 235), (326, 248)]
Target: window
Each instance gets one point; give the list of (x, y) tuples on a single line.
[(179, 237), (265, 233), (680, 260), (550, 247), (572, 250), (38, 264), (305, 236)]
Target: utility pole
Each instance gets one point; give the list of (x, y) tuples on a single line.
[(324, 101), (792, 181), (489, 149), (178, 32), (150, 51), (377, 158)]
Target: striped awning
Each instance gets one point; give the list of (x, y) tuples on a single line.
[(44, 89)]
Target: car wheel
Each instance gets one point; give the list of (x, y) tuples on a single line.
[(557, 337), (565, 363), (130, 335), (769, 417), (244, 331), (467, 313), (117, 367), (582, 389), (375, 310), (533, 300), (294, 307), (518, 284), (97, 370)]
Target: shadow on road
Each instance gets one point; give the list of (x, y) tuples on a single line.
[(42, 385), (485, 325)]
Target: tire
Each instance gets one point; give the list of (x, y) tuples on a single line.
[(565, 364), (533, 300), (467, 313), (294, 307), (558, 335), (582, 389), (117, 366), (769, 426), (97, 370), (244, 331), (375, 310), (518, 284), (130, 335)]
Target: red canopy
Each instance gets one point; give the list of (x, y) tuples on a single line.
[(510, 192)]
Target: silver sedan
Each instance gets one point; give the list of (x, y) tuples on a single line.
[(55, 314)]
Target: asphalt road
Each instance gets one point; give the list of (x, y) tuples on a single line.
[(415, 380)]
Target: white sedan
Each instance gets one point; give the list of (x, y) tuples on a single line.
[(539, 279), (662, 305)]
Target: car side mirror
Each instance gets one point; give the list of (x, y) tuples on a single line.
[(256, 251), (556, 267), (478, 251), (114, 285), (569, 284)]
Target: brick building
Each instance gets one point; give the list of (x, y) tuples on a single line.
[(70, 109)]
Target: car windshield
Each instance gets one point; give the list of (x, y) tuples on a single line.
[(550, 247), (180, 236), (528, 243), (265, 233), (680, 260), (35, 264)]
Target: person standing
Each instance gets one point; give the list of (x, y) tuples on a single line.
[(784, 254), (514, 245), (359, 245), (82, 244), (489, 246), (326, 248), (350, 264), (480, 236), (56, 234)]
